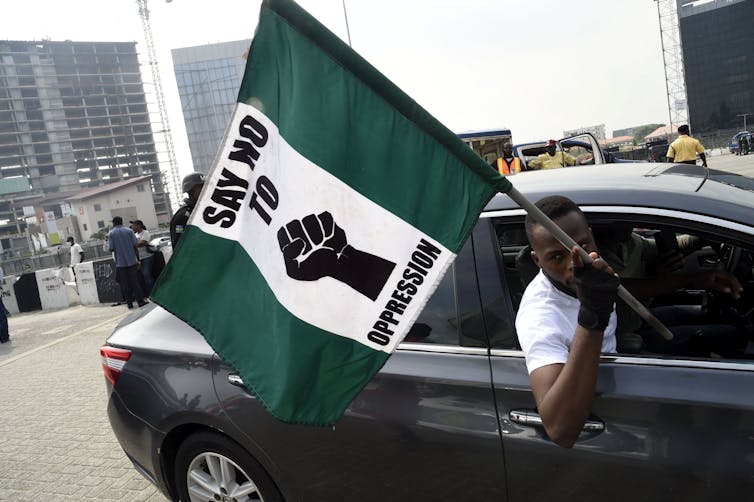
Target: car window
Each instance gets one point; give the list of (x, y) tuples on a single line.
[(452, 315), (653, 256)]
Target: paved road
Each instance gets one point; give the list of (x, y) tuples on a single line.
[(55, 439), (739, 164)]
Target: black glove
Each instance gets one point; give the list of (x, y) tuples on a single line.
[(597, 291)]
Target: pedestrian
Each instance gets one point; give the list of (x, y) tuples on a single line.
[(145, 256), (508, 163), (552, 158), (685, 148), (4, 332), (77, 255), (122, 242), (192, 185)]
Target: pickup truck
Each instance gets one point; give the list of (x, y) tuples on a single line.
[(584, 147)]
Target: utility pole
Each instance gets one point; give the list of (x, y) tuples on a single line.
[(744, 115), (174, 192)]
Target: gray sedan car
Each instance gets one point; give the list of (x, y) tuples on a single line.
[(451, 415)]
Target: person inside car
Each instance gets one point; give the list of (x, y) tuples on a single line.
[(552, 158), (648, 270), (565, 320)]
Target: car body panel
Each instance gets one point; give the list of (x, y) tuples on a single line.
[(424, 428), (670, 434)]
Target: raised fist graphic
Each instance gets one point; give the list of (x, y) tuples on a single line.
[(315, 247)]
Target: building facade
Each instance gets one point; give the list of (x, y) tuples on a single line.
[(718, 57), (73, 115), (95, 208), (208, 79), (597, 130)]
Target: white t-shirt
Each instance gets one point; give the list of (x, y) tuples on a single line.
[(143, 236), (546, 324), (76, 254)]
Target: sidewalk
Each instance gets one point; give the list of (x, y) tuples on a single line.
[(55, 439)]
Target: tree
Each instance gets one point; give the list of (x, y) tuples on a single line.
[(641, 131)]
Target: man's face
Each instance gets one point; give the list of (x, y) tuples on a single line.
[(551, 256), (551, 149), (508, 150)]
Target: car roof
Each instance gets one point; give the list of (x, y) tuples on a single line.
[(681, 187)]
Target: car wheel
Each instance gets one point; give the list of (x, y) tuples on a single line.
[(210, 467)]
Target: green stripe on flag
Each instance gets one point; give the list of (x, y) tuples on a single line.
[(263, 355), (338, 111)]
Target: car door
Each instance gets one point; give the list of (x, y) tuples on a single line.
[(424, 428), (584, 147), (663, 427)]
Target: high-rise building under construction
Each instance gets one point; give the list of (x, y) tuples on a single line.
[(73, 115)]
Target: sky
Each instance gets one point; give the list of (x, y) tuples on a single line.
[(538, 67)]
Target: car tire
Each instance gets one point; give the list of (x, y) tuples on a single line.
[(210, 466)]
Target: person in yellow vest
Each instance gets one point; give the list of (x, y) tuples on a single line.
[(553, 158), (684, 149), (508, 163)]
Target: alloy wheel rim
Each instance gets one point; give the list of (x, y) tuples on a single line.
[(214, 477)]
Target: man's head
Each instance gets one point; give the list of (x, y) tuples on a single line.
[(117, 220), (137, 225), (70, 240), (684, 129), (192, 185), (549, 254), (552, 146), (507, 150)]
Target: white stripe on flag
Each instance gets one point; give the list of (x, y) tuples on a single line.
[(298, 188)]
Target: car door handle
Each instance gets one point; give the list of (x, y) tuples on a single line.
[(236, 380), (532, 418)]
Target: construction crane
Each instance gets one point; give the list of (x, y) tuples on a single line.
[(174, 191), (672, 58)]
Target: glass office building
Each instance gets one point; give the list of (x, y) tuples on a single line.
[(208, 78), (718, 56)]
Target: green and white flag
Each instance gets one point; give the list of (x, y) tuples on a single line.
[(334, 208)]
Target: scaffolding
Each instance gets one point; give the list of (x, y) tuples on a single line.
[(672, 57)]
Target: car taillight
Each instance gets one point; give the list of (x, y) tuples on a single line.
[(113, 360)]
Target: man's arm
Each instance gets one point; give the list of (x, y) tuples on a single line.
[(704, 159), (715, 280), (535, 163), (564, 392), (671, 153)]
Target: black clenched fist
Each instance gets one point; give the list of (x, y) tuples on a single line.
[(315, 247), (312, 246)]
